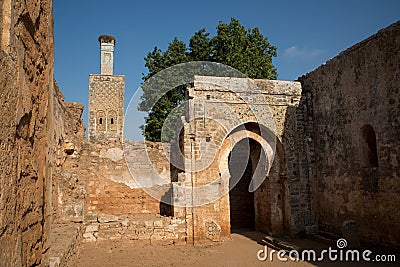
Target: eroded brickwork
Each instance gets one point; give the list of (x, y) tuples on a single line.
[(26, 132), (356, 106)]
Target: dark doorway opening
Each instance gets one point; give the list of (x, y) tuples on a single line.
[(242, 213)]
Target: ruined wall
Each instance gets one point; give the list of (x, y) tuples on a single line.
[(69, 134), (68, 130), (356, 102), (116, 206), (145, 228), (26, 132), (94, 194), (96, 189), (94, 179)]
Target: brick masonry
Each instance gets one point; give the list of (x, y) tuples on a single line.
[(146, 229), (358, 88)]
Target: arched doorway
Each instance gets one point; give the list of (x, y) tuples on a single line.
[(242, 162), (267, 209)]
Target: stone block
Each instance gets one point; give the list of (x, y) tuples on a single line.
[(158, 234), (125, 222), (109, 234), (90, 217), (92, 228), (148, 224), (158, 224), (104, 218), (89, 237), (144, 233)]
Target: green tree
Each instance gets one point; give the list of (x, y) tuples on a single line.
[(245, 50)]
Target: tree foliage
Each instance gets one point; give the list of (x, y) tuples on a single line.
[(245, 50)]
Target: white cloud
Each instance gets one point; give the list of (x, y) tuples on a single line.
[(304, 53)]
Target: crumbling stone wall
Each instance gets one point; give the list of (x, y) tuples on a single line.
[(5, 24), (94, 179), (144, 228), (115, 205), (26, 132), (356, 107), (96, 189)]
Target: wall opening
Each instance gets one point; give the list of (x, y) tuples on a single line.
[(101, 126), (242, 211), (269, 207), (112, 126), (369, 152), (369, 159)]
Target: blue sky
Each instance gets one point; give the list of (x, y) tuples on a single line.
[(306, 33)]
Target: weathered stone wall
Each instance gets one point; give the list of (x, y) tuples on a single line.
[(146, 229), (5, 24), (111, 189), (119, 206), (293, 116), (149, 164), (26, 132), (106, 107), (94, 179), (69, 133), (356, 103)]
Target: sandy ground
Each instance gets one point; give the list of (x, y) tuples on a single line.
[(241, 250)]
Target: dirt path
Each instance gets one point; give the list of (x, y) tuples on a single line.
[(240, 251)]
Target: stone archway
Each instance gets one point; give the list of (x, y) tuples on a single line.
[(220, 112), (270, 200)]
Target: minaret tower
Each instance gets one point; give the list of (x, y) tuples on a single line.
[(106, 97)]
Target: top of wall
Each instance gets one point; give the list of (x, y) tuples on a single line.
[(105, 75), (395, 27), (247, 85)]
